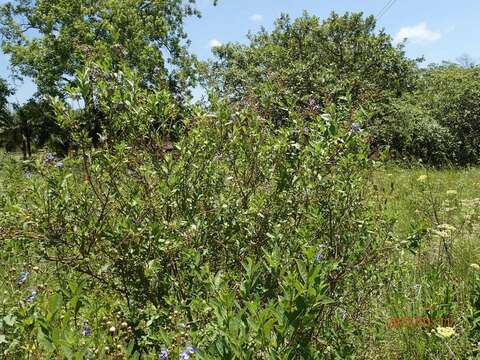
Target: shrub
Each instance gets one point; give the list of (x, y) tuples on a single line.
[(245, 240)]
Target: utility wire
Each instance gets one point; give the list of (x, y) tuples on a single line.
[(385, 9)]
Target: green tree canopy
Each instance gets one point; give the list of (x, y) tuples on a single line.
[(49, 40), (312, 63)]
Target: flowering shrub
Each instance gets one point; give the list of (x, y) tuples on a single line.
[(224, 232)]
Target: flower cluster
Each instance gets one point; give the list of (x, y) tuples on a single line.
[(355, 128), (320, 254), (190, 350), (164, 354), (22, 277), (86, 330), (49, 158), (31, 298)]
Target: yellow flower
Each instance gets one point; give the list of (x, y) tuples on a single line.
[(475, 266), (422, 178), (445, 332), (451, 192)]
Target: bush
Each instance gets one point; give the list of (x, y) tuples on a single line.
[(412, 134), (452, 97), (246, 240)]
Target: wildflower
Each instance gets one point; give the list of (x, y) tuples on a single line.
[(343, 314), (22, 277), (59, 165), (31, 298), (28, 175), (102, 138), (416, 287), (355, 127), (445, 332), (422, 178), (190, 350), (306, 130), (452, 192), (320, 254), (447, 227), (442, 234), (49, 158), (86, 330), (475, 266), (164, 354), (112, 329)]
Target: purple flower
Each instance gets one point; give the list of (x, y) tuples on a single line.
[(49, 158), (190, 350), (320, 254), (59, 165), (164, 354), (22, 277), (355, 127), (86, 330), (31, 298)]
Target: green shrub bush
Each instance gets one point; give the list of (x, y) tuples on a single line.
[(245, 240)]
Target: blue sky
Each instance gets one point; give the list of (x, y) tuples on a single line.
[(437, 29)]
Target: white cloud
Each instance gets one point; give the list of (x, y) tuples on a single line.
[(257, 18), (419, 34), (214, 43)]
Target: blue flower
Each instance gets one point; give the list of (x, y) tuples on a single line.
[(31, 298), (320, 254), (355, 127), (86, 330), (49, 158), (190, 350), (164, 354), (22, 277), (59, 165)]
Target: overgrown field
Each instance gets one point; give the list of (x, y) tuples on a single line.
[(264, 221), (421, 299)]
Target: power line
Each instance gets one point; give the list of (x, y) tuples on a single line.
[(385, 9)]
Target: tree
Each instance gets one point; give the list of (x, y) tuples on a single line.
[(309, 64), (451, 95), (146, 35), (6, 138), (143, 33)]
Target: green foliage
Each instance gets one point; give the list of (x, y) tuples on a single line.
[(452, 97), (438, 123), (308, 64), (411, 133), (70, 33), (245, 240), (215, 233)]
